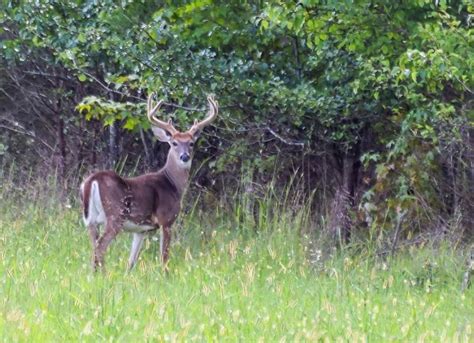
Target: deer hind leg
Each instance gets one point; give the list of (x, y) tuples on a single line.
[(94, 236), (135, 251), (110, 232), (165, 240)]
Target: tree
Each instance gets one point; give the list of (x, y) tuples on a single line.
[(369, 101)]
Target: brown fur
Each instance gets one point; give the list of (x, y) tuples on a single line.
[(152, 199), (138, 199)]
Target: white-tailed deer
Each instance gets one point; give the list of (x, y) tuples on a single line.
[(145, 203)]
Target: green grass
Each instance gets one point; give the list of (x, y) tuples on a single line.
[(226, 282)]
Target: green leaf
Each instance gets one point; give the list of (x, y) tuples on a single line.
[(131, 123)]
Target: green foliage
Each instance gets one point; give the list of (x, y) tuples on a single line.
[(108, 112), (388, 79)]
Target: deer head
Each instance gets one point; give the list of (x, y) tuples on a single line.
[(181, 143)]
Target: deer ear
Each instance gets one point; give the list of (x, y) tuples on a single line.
[(196, 135), (161, 134)]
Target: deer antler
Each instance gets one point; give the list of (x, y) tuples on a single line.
[(212, 114), (151, 110)]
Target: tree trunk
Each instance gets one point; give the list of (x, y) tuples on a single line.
[(146, 149), (340, 221), (62, 150), (468, 183), (114, 139), (113, 145)]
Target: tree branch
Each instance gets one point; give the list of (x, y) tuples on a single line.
[(286, 141), (23, 131)]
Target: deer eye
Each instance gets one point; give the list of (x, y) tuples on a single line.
[(191, 144), (175, 144)]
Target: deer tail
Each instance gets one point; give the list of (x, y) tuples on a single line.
[(92, 210)]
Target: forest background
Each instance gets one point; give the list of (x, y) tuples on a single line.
[(362, 109)]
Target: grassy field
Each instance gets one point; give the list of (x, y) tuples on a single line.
[(226, 283)]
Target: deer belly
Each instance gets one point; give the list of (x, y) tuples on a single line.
[(130, 226)]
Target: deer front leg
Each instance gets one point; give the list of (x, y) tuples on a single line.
[(135, 251), (110, 232), (165, 245)]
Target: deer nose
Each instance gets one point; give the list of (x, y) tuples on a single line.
[(185, 157)]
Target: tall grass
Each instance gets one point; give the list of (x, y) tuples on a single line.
[(234, 275)]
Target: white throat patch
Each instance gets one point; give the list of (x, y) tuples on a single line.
[(185, 165)]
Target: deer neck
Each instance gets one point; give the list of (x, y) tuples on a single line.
[(177, 174)]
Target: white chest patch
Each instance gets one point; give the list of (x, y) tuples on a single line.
[(137, 228)]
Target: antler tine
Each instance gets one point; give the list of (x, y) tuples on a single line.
[(211, 116), (168, 126)]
